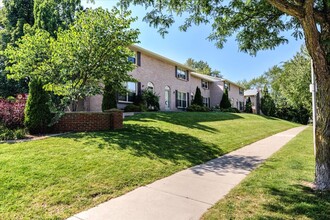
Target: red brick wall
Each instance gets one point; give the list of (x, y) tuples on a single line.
[(89, 121)]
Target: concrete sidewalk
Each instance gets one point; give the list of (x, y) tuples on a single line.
[(189, 193)]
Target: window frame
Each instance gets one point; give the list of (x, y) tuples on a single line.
[(207, 83), (240, 91), (127, 93), (179, 74), (206, 101), (181, 101)]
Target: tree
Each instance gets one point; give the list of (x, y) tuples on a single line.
[(37, 112), (94, 49), (255, 83), (248, 106), (267, 103), (109, 99), (14, 15), (51, 15), (292, 81), (258, 25), (198, 99), (202, 67), (225, 103)]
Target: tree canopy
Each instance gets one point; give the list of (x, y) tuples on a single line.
[(203, 67), (93, 49)]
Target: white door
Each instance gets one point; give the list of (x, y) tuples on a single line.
[(167, 98)]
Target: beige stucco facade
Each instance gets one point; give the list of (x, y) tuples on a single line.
[(161, 72)]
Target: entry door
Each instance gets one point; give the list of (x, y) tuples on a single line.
[(167, 98)]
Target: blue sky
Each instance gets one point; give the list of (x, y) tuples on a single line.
[(180, 46)]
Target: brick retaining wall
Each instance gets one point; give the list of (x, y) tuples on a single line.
[(89, 121)]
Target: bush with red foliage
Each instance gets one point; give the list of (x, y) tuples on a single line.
[(12, 112)]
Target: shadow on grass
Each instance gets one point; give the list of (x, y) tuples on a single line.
[(186, 119), (300, 200), (151, 142), (237, 164)]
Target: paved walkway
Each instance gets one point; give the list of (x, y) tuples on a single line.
[(189, 193)]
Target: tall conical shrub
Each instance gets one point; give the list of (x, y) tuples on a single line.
[(198, 99), (248, 105), (225, 103), (109, 100), (37, 112)]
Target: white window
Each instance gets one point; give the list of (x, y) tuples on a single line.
[(206, 102), (130, 94), (150, 86), (205, 84), (181, 100), (181, 74)]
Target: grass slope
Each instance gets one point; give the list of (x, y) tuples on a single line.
[(278, 189), (60, 176)]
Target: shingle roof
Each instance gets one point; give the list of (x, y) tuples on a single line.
[(250, 92)]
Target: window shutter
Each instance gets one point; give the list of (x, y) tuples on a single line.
[(176, 98), (176, 71), (139, 89), (209, 103), (188, 103), (138, 57), (187, 75)]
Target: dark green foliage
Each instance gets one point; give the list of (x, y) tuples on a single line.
[(298, 115), (197, 108), (225, 103), (248, 105), (198, 99), (11, 134), (109, 99), (51, 15), (151, 100), (267, 104), (37, 112), (233, 110), (15, 14), (134, 108), (12, 87)]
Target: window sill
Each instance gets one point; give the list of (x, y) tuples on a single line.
[(182, 79), (125, 102)]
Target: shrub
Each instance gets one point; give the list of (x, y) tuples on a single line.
[(151, 100), (9, 134), (109, 99), (134, 108), (298, 115), (12, 113), (248, 106), (198, 99), (233, 110), (225, 103), (267, 104), (37, 111), (197, 108)]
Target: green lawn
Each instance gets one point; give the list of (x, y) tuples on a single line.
[(60, 176), (279, 189)]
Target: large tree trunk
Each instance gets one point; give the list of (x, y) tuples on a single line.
[(316, 43), (322, 70), (322, 171)]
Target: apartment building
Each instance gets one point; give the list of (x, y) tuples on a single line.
[(173, 82)]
